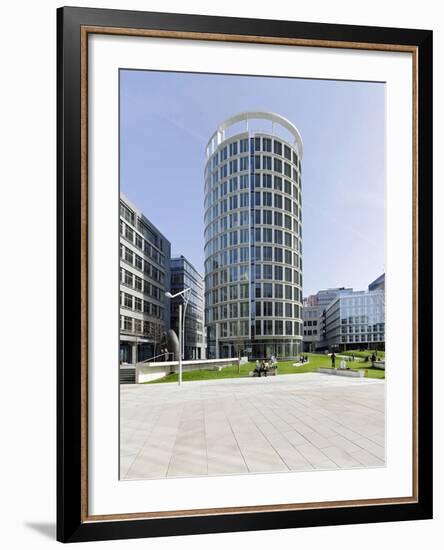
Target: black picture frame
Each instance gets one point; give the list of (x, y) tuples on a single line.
[(71, 523)]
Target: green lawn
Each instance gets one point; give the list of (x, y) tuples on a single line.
[(284, 367)]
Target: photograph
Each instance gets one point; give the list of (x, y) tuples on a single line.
[(252, 266)]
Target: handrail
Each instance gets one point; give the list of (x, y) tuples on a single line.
[(154, 357)]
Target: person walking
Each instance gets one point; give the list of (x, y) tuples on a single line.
[(333, 360)]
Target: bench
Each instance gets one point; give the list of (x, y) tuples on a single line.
[(272, 371)]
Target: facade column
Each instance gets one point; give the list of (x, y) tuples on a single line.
[(134, 353)]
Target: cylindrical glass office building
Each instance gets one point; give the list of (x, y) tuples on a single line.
[(253, 238)]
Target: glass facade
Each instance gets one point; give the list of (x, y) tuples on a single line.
[(356, 320), (184, 275), (253, 245)]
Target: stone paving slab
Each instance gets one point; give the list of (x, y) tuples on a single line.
[(282, 423)]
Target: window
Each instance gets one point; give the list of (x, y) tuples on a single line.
[(128, 278), (266, 162), (278, 183), (266, 181), (268, 327), (268, 271), (233, 184), (287, 152), (287, 172), (278, 327), (268, 290), (243, 200), (243, 309), (278, 291), (233, 148), (267, 217), (278, 236), (243, 182), (277, 148), (267, 235), (244, 145), (278, 219), (278, 308), (277, 165), (278, 272), (267, 253), (244, 291), (127, 323), (258, 309), (243, 164), (267, 198), (278, 254), (128, 301), (266, 144), (268, 309)]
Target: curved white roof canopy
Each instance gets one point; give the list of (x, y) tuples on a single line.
[(274, 118)]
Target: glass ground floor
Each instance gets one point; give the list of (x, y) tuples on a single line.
[(255, 349)]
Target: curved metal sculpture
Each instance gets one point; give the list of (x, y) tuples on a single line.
[(169, 344)]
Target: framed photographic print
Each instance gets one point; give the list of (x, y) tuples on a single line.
[(244, 274)]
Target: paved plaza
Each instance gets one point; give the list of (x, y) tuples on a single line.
[(251, 425)]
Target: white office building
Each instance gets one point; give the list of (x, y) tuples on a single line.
[(253, 238)]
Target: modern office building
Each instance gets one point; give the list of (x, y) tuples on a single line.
[(253, 238), (144, 279), (312, 335), (184, 275), (356, 320), (378, 283), (325, 297)]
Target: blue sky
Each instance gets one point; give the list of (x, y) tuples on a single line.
[(167, 119)]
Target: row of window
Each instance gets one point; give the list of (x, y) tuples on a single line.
[(135, 303), (240, 292), (138, 326), (230, 329), (257, 235), (265, 253), (310, 323), (277, 328), (236, 310), (130, 257), (142, 244), (267, 181), (246, 218), (363, 338), (241, 254), (242, 273), (137, 283), (142, 227), (255, 144), (260, 199), (310, 332), (251, 165)]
